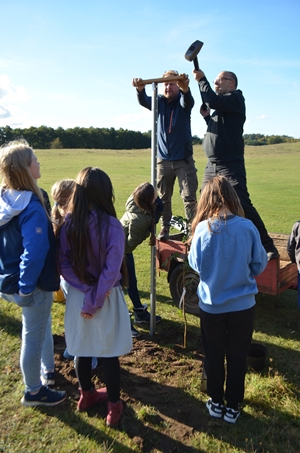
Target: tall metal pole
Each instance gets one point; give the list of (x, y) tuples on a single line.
[(153, 182)]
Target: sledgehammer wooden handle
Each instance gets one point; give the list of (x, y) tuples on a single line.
[(162, 79)]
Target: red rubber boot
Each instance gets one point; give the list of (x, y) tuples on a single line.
[(114, 412), (89, 398)]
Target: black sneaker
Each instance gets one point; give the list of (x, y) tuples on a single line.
[(142, 315), (45, 397), (164, 234), (231, 415), (215, 410)]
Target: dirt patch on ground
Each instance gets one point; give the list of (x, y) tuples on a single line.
[(156, 379)]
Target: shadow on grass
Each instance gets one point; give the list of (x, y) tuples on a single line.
[(188, 416), (277, 315), (146, 295), (147, 434), (10, 324)]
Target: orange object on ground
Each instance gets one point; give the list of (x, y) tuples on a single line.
[(58, 296)]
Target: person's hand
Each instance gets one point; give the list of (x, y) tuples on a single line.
[(138, 84), (205, 111), (198, 74), (184, 84), (86, 315)]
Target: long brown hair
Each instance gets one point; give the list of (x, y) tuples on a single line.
[(93, 190), (143, 196), (217, 193), (15, 158), (61, 192)]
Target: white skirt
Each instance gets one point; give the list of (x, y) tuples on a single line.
[(107, 334)]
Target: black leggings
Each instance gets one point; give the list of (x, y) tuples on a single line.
[(111, 371)]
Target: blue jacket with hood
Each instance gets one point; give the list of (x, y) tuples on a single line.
[(27, 244)]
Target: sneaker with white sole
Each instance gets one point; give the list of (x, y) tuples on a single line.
[(44, 397), (231, 415), (47, 378), (215, 410), (142, 315)]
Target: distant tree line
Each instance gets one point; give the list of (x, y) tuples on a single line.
[(78, 137), (44, 137), (259, 139)]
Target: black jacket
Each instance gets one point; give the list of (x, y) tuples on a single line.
[(223, 142)]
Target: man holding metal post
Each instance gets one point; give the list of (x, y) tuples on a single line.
[(175, 150), (224, 144)]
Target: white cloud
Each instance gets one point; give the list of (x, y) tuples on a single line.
[(10, 96), (262, 117), (10, 92)]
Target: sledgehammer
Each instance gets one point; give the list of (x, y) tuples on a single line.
[(191, 55), (192, 52)]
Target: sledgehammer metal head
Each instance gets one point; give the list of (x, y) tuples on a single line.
[(192, 52)]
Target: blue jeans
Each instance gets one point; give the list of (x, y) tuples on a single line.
[(37, 348), (132, 289)]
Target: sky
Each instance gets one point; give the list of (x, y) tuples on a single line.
[(71, 63)]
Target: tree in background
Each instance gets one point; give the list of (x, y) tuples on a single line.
[(44, 137)]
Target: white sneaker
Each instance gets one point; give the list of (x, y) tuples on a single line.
[(215, 410), (231, 415)]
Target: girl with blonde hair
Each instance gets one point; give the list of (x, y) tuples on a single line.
[(28, 269)]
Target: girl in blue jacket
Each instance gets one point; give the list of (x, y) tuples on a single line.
[(227, 252), (28, 269)]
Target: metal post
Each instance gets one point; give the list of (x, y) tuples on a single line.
[(153, 182)]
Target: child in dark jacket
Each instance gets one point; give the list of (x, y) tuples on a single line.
[(143, 210), (293, 249)]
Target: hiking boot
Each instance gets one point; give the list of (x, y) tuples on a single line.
[(231, 415), (114, 412), (47, 378), (215, 410), (272, 252), (134, 333), (164, 234), (142, 315), (44, 397), (89, 398)]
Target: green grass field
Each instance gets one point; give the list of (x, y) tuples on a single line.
[(272, 173), (271, 418)]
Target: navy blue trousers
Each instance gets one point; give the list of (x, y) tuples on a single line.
[(226, 335)]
